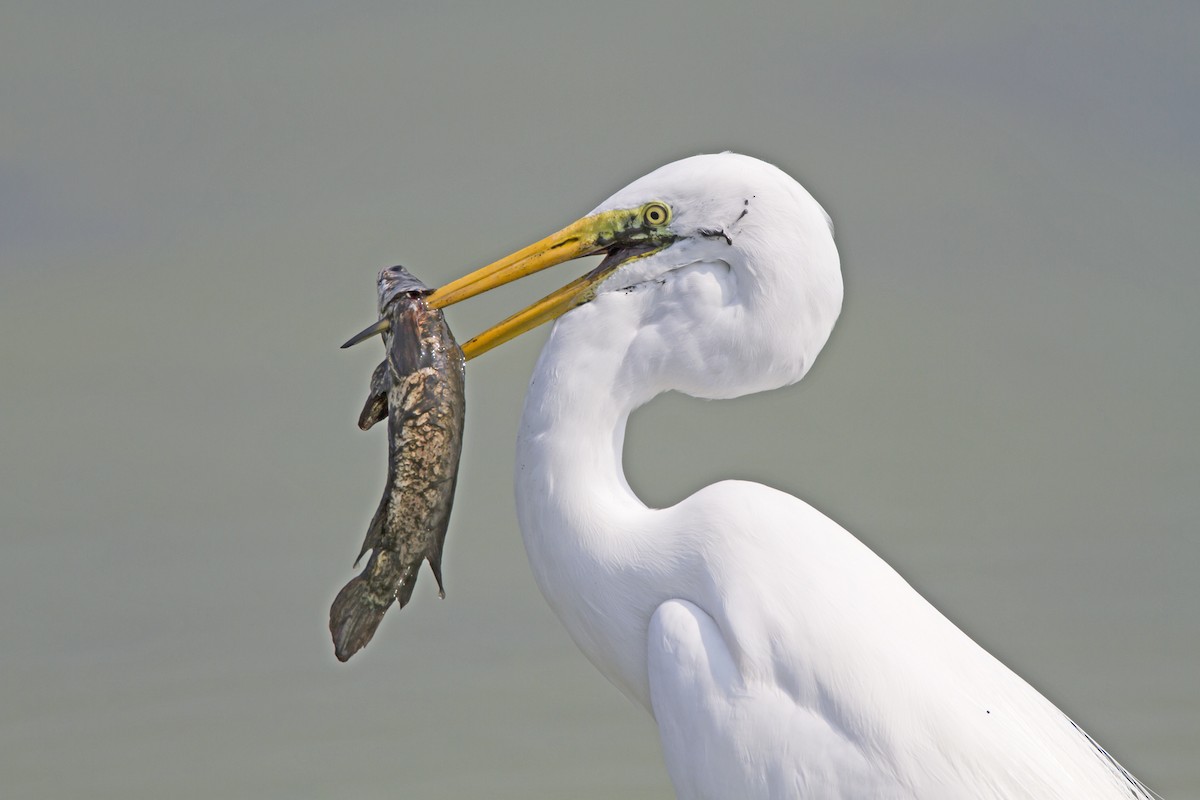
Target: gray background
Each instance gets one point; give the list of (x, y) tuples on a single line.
[(195, 197)]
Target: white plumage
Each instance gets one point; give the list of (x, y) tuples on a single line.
[(779, 656)]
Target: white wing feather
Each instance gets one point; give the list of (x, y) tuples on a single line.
[(702, 705), (809, 668)]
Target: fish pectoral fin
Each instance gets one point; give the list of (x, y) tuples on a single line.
[(376, 407)]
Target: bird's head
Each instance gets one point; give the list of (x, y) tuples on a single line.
[(721, 267)]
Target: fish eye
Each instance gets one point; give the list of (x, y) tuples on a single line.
[(656, 214)]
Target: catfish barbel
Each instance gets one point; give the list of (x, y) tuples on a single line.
[(420, 388)]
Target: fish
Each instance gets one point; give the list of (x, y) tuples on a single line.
[(420, 388)]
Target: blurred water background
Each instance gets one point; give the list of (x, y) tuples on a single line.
[(195, 198)]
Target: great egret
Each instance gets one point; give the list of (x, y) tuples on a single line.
[(778, 655)]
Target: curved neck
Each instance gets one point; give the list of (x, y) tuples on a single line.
[(573, 424), (582, 524)]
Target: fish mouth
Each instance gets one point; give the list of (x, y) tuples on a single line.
[(393, 283), (622, 234)]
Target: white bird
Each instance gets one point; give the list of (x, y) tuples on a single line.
[(779, 656)]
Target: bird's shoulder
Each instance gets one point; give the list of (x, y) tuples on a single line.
[(801, 604), (703, 704), (754, 538), (802, 617)]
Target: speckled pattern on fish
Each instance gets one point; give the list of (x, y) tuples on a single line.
[(420, 388)]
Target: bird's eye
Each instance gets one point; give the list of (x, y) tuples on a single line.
[(656, 214)]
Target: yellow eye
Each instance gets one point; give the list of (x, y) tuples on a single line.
[(656, 214)]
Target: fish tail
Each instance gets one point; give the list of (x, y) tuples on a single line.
[(353, 617)]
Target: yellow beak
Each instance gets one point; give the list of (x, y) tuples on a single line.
[(621, 232)]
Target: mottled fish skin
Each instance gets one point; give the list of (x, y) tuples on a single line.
[(420, 389)]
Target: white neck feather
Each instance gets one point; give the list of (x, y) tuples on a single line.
[(581, 522)]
